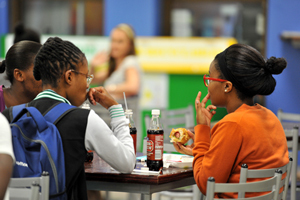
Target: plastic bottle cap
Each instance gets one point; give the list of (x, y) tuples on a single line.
[(86, 106), (155, 112), (128, 112), (144, 168)]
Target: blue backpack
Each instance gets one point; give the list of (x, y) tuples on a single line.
[(38, 146)]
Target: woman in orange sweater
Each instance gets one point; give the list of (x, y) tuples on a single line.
[(249, 133)]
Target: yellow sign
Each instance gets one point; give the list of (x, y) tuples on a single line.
[(179, 55), (173, 55)]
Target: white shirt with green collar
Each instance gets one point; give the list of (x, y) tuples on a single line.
[(115, 145)]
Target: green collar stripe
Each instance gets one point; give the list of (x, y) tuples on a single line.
[(52, 95)]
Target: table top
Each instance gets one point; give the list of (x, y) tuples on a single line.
[(98, 169)]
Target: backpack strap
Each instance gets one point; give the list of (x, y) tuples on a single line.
[(14, 111), (58, 111)]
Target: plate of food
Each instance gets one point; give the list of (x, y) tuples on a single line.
[(178, 160)]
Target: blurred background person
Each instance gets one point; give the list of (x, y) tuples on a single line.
[(22, 33), (18, 65), (119, 71)]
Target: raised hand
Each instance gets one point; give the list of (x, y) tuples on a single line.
[(99, 59), (101, 96), (204, 115)]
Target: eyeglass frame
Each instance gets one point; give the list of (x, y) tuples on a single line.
[(212, 79), (89, 78)]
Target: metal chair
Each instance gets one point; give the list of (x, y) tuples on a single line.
[(266, 173), (288, 120), (271, 185), (176, 118), (36, 188)]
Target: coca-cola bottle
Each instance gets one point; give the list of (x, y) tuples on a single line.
[(132, 128), (155, 143)]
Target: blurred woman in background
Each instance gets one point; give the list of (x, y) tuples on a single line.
[(123, 73), (119, 71)]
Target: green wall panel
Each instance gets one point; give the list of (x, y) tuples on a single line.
[(183, 90)]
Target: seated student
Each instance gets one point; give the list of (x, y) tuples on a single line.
[(18, 65), (249, 133), (6, 155), (63, 69)]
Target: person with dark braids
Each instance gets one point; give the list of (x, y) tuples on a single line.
[(249, 133), (18, 65), (63, 69)]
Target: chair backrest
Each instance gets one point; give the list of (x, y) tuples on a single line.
[(266, 173), (292, 143), (175, 118), (271, 185), (20, 187), (283, 116)]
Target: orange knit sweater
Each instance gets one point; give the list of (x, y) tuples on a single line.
[(252, 135)]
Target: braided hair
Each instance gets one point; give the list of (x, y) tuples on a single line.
[(19, 56), (54, 58)]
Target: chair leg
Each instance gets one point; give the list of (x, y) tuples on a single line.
[(106, 195), (157, 196), (197, 195)]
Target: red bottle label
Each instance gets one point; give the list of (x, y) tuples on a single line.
[(134, 141), (155, 146)]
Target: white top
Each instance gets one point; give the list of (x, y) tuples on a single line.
[(118, 76), (5, 141), (115, 141), (5, 138)]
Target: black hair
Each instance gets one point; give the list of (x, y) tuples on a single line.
[(252, 74), (19, 56), (22, 33), (54, 58)]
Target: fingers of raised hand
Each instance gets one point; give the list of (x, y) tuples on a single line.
[(205, 99), (211, 108), (197, 101)]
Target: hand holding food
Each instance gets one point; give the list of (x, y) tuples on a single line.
[(180, 135), (185, 149)]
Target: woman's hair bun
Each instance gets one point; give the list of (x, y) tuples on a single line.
[(276, 65), (2, 66), (19, 29)]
